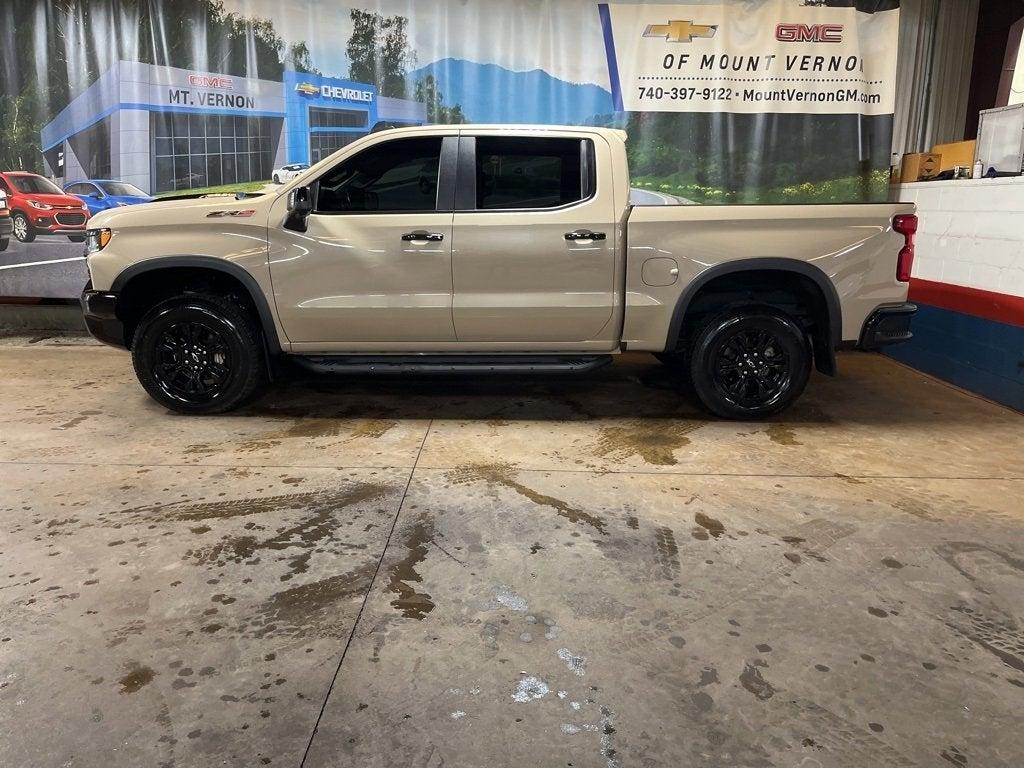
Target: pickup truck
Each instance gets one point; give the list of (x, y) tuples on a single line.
[(485, 249)]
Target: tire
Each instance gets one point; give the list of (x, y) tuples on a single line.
[(749, 363), (4, 242), (199, 354), (76, 238), (23, 231), (277, 179)]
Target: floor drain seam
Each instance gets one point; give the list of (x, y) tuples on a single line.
[(366, 598)]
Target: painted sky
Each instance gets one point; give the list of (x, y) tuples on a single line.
[(562, 37)]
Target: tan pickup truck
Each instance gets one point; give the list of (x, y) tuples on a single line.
[(487, 249)]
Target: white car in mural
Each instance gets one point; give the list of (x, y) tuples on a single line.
[(288, 172)]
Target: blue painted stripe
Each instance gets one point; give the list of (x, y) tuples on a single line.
[(609, 49), (980, 355)]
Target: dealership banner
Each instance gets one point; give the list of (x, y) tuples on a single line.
[(773, 57), (115, 102)]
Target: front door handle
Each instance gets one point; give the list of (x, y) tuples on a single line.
[(584, 234), (422, 234)]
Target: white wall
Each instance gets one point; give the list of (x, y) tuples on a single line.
[(970, 233)]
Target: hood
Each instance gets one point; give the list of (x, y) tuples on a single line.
[(181, 212), (49, 199)]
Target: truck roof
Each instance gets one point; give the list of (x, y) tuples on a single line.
[(437, 128)]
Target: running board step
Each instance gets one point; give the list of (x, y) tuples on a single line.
[(433, 364)]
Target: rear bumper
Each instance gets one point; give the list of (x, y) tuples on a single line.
[(887, 325), (100, 311)]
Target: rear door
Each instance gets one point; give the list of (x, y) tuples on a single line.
[(373, 269), (533, 260)]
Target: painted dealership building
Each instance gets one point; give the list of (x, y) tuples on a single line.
[(164, 128)]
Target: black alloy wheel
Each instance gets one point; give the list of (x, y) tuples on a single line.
[(750, 363), (193, 362), (199, 354)]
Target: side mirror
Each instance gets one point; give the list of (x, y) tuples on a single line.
[(300, 205)]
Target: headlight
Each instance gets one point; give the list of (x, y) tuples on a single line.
[(122, 205), (96, 240), (40, 206)]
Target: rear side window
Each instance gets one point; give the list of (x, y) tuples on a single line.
[(398, 175), (524, 172)]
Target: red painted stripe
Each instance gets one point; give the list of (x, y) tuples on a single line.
[(1000, 307)]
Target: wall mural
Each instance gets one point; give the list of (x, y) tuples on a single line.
[(117, 101)]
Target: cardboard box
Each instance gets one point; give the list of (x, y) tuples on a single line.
[(919, 165), (955, 153)]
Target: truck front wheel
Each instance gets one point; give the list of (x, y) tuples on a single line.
[(199, 354), (749, 363)]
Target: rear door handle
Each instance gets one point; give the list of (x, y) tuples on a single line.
[(584, 234), (422, 234)]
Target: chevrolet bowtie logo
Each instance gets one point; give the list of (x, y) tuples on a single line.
[(680, 31), (307, 88)]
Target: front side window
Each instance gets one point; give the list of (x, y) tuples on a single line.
[(524, 172), (398, 175)]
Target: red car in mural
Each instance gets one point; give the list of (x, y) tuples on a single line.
[(40, 207)]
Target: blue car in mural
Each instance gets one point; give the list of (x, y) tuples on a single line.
[(103, 194)]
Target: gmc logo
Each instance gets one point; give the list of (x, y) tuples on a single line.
[(212, 81), (814, 33)]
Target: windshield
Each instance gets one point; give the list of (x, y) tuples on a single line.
[(34, 185), (121, 189)]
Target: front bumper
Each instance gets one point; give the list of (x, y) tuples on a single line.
[(59, 222), (887, 325), (100, 311)]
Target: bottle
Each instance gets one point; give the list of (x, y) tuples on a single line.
[(979, 170)]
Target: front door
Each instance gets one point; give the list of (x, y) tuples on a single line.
[(373, 268), (534, 254)]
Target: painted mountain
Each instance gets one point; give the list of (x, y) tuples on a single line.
[(492, 94)]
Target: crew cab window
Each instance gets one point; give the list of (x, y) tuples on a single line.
[(398, 175), (524, 172)]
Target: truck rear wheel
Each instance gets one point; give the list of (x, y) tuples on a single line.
[(199, 354), (749, 363)]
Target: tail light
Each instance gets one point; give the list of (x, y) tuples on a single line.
[(906, 225)]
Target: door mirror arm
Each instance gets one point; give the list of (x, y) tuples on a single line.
[(300, 205)]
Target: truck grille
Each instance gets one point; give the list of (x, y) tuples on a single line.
[(70, 219)]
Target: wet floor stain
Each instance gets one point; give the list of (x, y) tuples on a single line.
[(83, 416), (655, 441), (137, 678), (752, 679), (782, 434), (714, 527), (354, 422), (403, 574), (315, 529), (505, 475), (312, 607)]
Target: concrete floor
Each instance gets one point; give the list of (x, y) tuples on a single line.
[(528, 572)]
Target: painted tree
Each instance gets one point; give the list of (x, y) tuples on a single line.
[(427, 92), (379, 53)]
